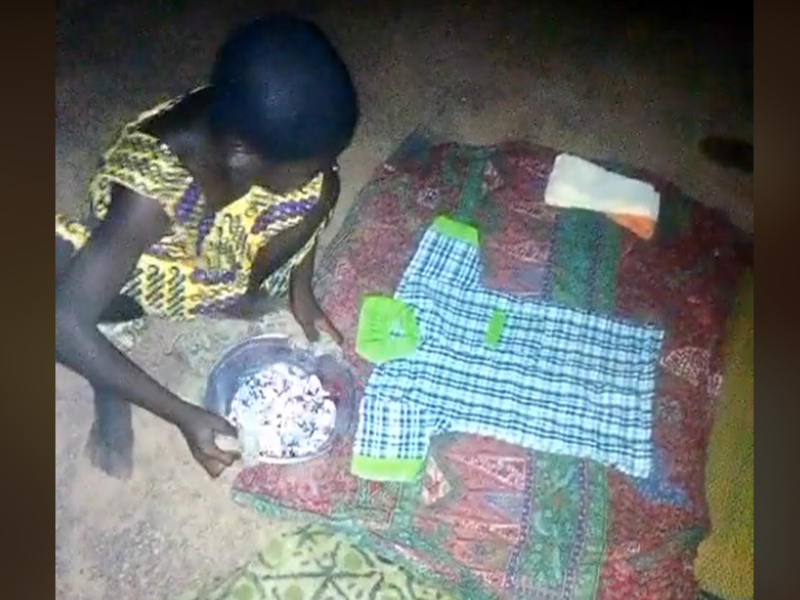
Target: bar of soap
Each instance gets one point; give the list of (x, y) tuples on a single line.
[(227, 443)]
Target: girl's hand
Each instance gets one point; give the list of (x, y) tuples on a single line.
[(312, 318), (200, 428)]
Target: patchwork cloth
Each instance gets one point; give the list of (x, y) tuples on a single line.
[(560, 380), (497, 521)]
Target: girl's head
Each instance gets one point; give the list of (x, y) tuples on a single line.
[(284, 103)]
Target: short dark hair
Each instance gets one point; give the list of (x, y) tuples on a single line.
[(281, 87)]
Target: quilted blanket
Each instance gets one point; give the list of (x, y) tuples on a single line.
[(493, 520)]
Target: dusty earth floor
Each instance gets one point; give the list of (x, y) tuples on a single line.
[(607, 81)]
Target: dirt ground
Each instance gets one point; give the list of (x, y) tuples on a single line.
[(606, 81)]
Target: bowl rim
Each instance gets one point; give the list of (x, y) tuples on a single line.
[(237, 346)]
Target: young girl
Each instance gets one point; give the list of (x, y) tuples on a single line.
[(208, 204)]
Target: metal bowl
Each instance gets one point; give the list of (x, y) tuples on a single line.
[(250, 356)]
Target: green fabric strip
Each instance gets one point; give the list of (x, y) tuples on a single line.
[(494, 330), (584, 262), (386, 469), (606, 265), (472, 191), (456, 229), (585, 258), (571, 261)]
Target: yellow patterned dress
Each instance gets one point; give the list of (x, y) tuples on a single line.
[(204, 263)]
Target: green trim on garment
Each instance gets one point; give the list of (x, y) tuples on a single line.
[(494, 330), (403, 470), (456, 230)]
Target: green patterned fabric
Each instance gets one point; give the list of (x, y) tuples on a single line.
[(584, 269), (314, 563)]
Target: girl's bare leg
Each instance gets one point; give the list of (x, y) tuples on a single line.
[(110, 443)]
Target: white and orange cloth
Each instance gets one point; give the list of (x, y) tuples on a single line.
[(578, 183)]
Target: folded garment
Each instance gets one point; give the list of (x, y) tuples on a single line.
[(578, 183), (547, 377)]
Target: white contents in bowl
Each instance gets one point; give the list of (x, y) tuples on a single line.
[(284, 411)]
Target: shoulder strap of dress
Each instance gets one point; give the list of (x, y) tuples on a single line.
[(143, 164)]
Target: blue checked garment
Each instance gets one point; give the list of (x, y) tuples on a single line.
[(561, 380)]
